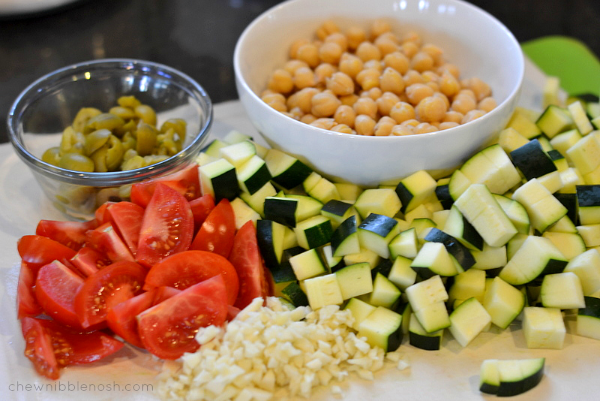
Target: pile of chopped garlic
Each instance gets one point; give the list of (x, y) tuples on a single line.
[(273, 352)]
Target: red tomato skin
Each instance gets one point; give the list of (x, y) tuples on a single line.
[(68, 233), (39, 349), (107, 287), (55, 288), (126, 218), (201, 208), (88, 261), (185, 269), (165, 329), (167, 227), (107, 241), (37, 251), (218, 230), (100, 214), (163, 293), (27, 304), (185, 181), (121, 318), (247, 261)]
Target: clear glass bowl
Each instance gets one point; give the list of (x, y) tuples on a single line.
[(45, 108)]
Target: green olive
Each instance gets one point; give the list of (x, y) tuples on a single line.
[(178, 125), (125, 191), (109, 156), (52, 156), (78, 197), (129, 153), (76, 162), (129, 141), (82, 117), (123, 112), (146, 114), (96, 140), (128, 101), (107, 194), (153, 159), (168, 143), (107, 121), (132, 163), (146, 139), (71, 141)]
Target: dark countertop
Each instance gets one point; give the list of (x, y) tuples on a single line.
[(198, 36)]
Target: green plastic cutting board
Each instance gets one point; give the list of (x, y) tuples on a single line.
[(567, 58)]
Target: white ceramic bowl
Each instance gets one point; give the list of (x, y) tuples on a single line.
[(472, 39)]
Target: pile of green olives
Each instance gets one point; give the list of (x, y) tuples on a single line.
[(125, 138)]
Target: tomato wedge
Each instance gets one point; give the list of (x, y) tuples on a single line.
[(245, 258), (39, 349), (218, 230), (88, 261), (68, 233), (167, 227), (100, 213), (127, 219), (106, 288), (55, 290), (27, 304), (186, 182), (201, 208), (168, 329), (37, 251), (106, 240), (185, 269), (122, 317)]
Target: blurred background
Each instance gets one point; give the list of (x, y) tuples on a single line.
[(198, 36)]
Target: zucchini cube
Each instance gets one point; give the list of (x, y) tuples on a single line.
[(468, 320), (384, 292), (420, 338), (503, 302), (253, 174), (355, 280), (307, 264), (562, 291), (404, 244), (383, 201), (376, 232), (401, 274), (415, 189), (382, 328), (587, 268), (238, 153), (219, 179), (543, 327), (359, 310), (323, 291), (588, 319), (314, 232)]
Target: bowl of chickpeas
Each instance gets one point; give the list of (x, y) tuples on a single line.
[(90, 130), (371, 92)]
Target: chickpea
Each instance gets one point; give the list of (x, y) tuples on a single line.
[(340, 84), (467, 92), (345, 114), (296, 45), (413, 77), (330, 52), (379, 27), (302, 99), (413, 37), (403, 97), (368, 78), (402, 111), (447, 125), (409, 49), (373, 93), (398, 61), (384, 126), (350, 65), (364, 125), (430, 109), (487, 104), (386, 102), (435, 52), (430, 76), (309, 53), (418, 92), (434, 86), (296, 113), (390, 36), (292, 65), (421, 61), (325, 123), (386, 45), (356, 35), (368, 51), (349, 100), (463, 103), (452, 117), (267, 92), (443, 97), (450, 68), (327, 28), (304, 77), (339, 38), (374, 64), (449, 85), (402, 130), (425, 128), (366, 106), (412, 122), (472, 115), (281, 81), (307, 118), (342, 128), (324, 104), (479, 88), (391, 81), (276, 101), (324, 71)]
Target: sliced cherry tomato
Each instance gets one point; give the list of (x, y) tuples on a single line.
[(185, 181), (185, 269), (106, 288), (127, 219), (38, 251), (107, 241), (218, 230), (55, 290), (201, 208), (168, 329), (39, 349), (122, 317), (27, 304), (68, 233), (167, 227), (88, 261), (249, 265)]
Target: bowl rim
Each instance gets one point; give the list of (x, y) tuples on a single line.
[(346, 137), (111, 178)]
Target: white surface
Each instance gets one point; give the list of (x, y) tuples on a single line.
[(449, 374), (13, 7), (470, 38)]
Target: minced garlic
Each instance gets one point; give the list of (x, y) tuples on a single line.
[(272, 352)]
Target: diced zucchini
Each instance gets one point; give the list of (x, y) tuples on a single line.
[(433, 259), (380, 201), (543, 327), (323, 291), (554, 120), (562, 291), (590, 234), (293, 293), (257, 200), (281, 210), (458, 184), (243, 213), (468, 320), (270, 236), (490, 257), (359, 310), (580, 118), (515, 212), (587, 267), (532, 160), (588, 319), (314, 232), (509, 139), (588, 202), (585, 154), (382, 328), (507, 378), (569, 244), (235, 136), (348, 192), (355, 280), (365, 255), (401, 274), (307, 206), (415, 189), (491, 167), (238, 153), (420, 338), (404, 244), (337, 211), (384, 293), (308, 264), (344, 240), (422, 227), (542, 207), (563, 141), (286, 170), (219, 180), (376, 232), (213, 148), (442, 192), (324, 191), (468, 284), (460, 228), (253, 175), (523, 125), (503, 302)]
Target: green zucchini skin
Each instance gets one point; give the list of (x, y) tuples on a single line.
[(264, 237), (226, 186), (293, 176), (592, 307), (462, 254), (405, 196), (295, 294), (281, 210), (383, 268), (588, 195), (508, 389), (532, 160), (443, 194), (378, 224), (569, 201), (336, 207)]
